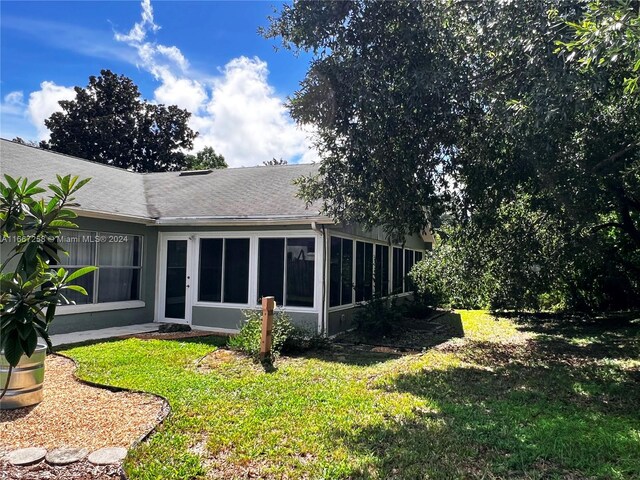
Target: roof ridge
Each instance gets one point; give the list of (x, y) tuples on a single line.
[(145, 173), (227, 169), (53, 152)]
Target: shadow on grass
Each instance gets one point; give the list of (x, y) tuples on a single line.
[(354, 356), (408, 336), (540, 409), (213, 340), (614, 335), (494, 425)]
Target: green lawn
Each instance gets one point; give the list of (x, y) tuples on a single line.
[(536, 400)]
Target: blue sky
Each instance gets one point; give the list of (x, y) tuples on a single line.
[(204, 56)]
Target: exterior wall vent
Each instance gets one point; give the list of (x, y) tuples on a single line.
[(191, 173)]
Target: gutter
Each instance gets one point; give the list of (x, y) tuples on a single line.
[(324, 327), (246, 221), (241, 221), (121, 217)]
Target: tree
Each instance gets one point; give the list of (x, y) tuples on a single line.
[(275, 161), (108, 122), (30, 288), (423, 108), (205, 159), (30, 143)]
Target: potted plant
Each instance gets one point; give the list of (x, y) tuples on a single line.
[(30, 286)]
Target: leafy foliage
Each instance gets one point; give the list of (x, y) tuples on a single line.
[(477, 110), (248, 339), (275, 161), (30, 287), (205, 159), (529, 260), (607, 36), (108, 122), (30, 143), (377, 317)]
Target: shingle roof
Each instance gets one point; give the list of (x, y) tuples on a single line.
[(235, 193), (111, 190)]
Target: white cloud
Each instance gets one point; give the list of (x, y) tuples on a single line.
[(236, 111), (139, 30), (14, 98), (44, 102), (246, 121), (13, 103), (185, 93), (175, 55)]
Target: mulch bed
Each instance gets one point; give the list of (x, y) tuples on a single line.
[(171, 335), (410, 335), (73, 414), (77, 471)]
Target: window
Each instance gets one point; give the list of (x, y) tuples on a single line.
[(347, 271), (210, 284), (300, 271), (236, 270), (381, 277), (81, 247), (224, 270), (341, 272), (287, 262), (408, 265), (419, 256), (355, 276), (271, 268), (364, 271), (397, 270), (119, 261)]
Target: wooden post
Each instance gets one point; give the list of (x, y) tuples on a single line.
[(268, 305)]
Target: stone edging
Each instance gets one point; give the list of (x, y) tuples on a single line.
[(164, 412)]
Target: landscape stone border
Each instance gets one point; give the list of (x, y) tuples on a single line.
[(108, 456), (23, 457), (65, 455)]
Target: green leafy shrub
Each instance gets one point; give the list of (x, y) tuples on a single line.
[(248, 339), (304, 340), (420, 306), (449, 276), (378, 317)]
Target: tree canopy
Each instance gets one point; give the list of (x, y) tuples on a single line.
[(205, 159), (109, 122), (275, 161), (467, 108)]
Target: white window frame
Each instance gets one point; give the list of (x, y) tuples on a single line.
[(284, 266), (96, 306), (196, 271), (253, 236), (356, 238), (161, 278)]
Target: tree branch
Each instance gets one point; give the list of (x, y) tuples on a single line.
[(616, 155), (602, 226)]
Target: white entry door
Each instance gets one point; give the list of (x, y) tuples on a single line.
[(174, 295)]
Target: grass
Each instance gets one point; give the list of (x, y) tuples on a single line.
[(523, 398)]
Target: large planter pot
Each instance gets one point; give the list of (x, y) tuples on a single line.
[(25, 386)]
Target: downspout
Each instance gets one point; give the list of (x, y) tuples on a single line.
[(321, 232)]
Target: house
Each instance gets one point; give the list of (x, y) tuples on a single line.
[(199, 247)]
